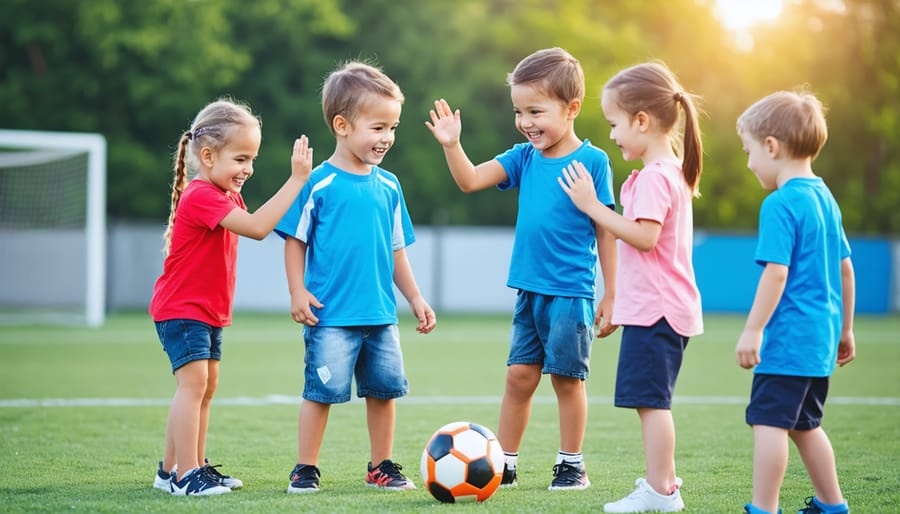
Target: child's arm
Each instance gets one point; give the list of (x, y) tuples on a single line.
[(847, 344), (260, 223), (406, 283), (446, 127), (579, 185), (768, 294), (295, 268), (606, 251)]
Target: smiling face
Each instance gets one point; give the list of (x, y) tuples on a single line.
[(364, 142), (547, 122), (624, 128), (230, 166)]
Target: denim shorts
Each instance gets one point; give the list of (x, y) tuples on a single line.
[(788, 402), (555, 332), (335, 355), (649, 362), (186, 340)]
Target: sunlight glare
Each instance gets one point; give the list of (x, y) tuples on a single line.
[(742, 14)]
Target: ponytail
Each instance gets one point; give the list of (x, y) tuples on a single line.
[(692, 158), (178, 186)]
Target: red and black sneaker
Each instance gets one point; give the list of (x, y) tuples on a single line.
[(387, 475)]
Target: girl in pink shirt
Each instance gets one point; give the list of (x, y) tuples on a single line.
[(658, 302)]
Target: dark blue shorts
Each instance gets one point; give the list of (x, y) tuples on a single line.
[(649, 361), (788, 402), (187, 340)]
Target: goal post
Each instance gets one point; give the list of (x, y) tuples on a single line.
[(34, 187)]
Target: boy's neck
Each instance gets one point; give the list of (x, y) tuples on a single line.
[(339, 160), (794, 168), (568, 144)]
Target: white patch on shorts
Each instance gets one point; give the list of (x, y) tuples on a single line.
[(324, 374)]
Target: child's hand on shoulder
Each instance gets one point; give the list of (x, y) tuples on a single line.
[(445, 124), (579, 185), (301, 159)]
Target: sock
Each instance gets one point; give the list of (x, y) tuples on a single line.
[(511, 459), (576, 459)]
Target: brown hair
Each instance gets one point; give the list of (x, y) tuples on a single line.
[(212, 127), (554, 71), (652, 88), (346, 89), (796, 119)]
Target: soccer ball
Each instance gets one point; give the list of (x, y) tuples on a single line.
[(462, 462)]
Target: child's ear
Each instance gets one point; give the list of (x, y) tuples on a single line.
[(340, 125), (643, 120), (773, 146), (206, 156), (574, 108)]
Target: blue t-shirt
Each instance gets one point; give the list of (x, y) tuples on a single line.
[(555, 247), (800, 227), (351, 224)]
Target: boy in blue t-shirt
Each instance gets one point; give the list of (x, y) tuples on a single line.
[(554, 257), (345, 239), (801, 322)]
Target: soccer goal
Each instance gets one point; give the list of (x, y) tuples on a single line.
[(52, 227)]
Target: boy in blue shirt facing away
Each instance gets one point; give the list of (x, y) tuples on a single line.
[(801, 322)]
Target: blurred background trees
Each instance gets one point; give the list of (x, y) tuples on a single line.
[(139, 71)]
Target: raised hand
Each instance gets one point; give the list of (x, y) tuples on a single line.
[(445, 124), (302, 159)]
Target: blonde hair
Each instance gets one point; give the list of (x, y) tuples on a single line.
[(212, 127), (346, 89), (652, 88), (796, 119), (552, 70)]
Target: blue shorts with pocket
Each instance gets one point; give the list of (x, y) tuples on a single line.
[(186, 340), (336, 355), (553, 331), (649, 362), (788, 402)]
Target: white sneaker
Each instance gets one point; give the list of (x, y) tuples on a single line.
[(645, 499), (163, 479)]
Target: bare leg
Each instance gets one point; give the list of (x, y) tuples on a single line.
[(183, 424), (658, 433), (572, 400), (212, 382), (770, 459), (818, 457), (311, 431), (521, 382), (381, 416)]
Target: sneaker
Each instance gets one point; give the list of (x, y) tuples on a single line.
[(749, 508), (387, 475), (509, 477), (814, 506), (304, 479), (569, 477), (645, 499), (163, 478), (198, 482), (227, 481)]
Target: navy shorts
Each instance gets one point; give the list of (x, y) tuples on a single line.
[(555, 332), (649, 361), (186, 340), (788, 402)]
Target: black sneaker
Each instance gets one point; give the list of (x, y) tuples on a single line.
[(387, 475), (227, 481), (509, 477), (813, 506), (198, 483), (568, 476), (163, 479), (304, 479)]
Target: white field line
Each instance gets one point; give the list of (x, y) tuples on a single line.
[(260, 401)]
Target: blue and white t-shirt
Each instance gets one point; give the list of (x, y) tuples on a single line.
[(555, 248), (351, 224)]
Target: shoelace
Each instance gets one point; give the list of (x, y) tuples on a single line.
[(216, 473), (392, 469), (565, 467)]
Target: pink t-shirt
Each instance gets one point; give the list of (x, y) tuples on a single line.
[(659, 283), (198, 275)]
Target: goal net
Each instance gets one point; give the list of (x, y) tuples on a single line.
[(52, 227)]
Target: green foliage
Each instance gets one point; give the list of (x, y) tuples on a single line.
[(138, 72)]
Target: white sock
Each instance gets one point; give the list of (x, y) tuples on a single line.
[(512, 458), (572, 458)]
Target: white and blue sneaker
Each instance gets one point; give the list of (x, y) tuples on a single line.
[(227, 481), (197, 482), (163, 478)]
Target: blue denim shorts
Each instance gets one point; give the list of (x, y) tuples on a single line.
[(335, 355), (186, 340), (649, 362), (788, 402), (553, 331)]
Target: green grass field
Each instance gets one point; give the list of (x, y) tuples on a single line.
[(82, 414)]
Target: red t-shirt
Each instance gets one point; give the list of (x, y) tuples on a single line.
[(198, 275)]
